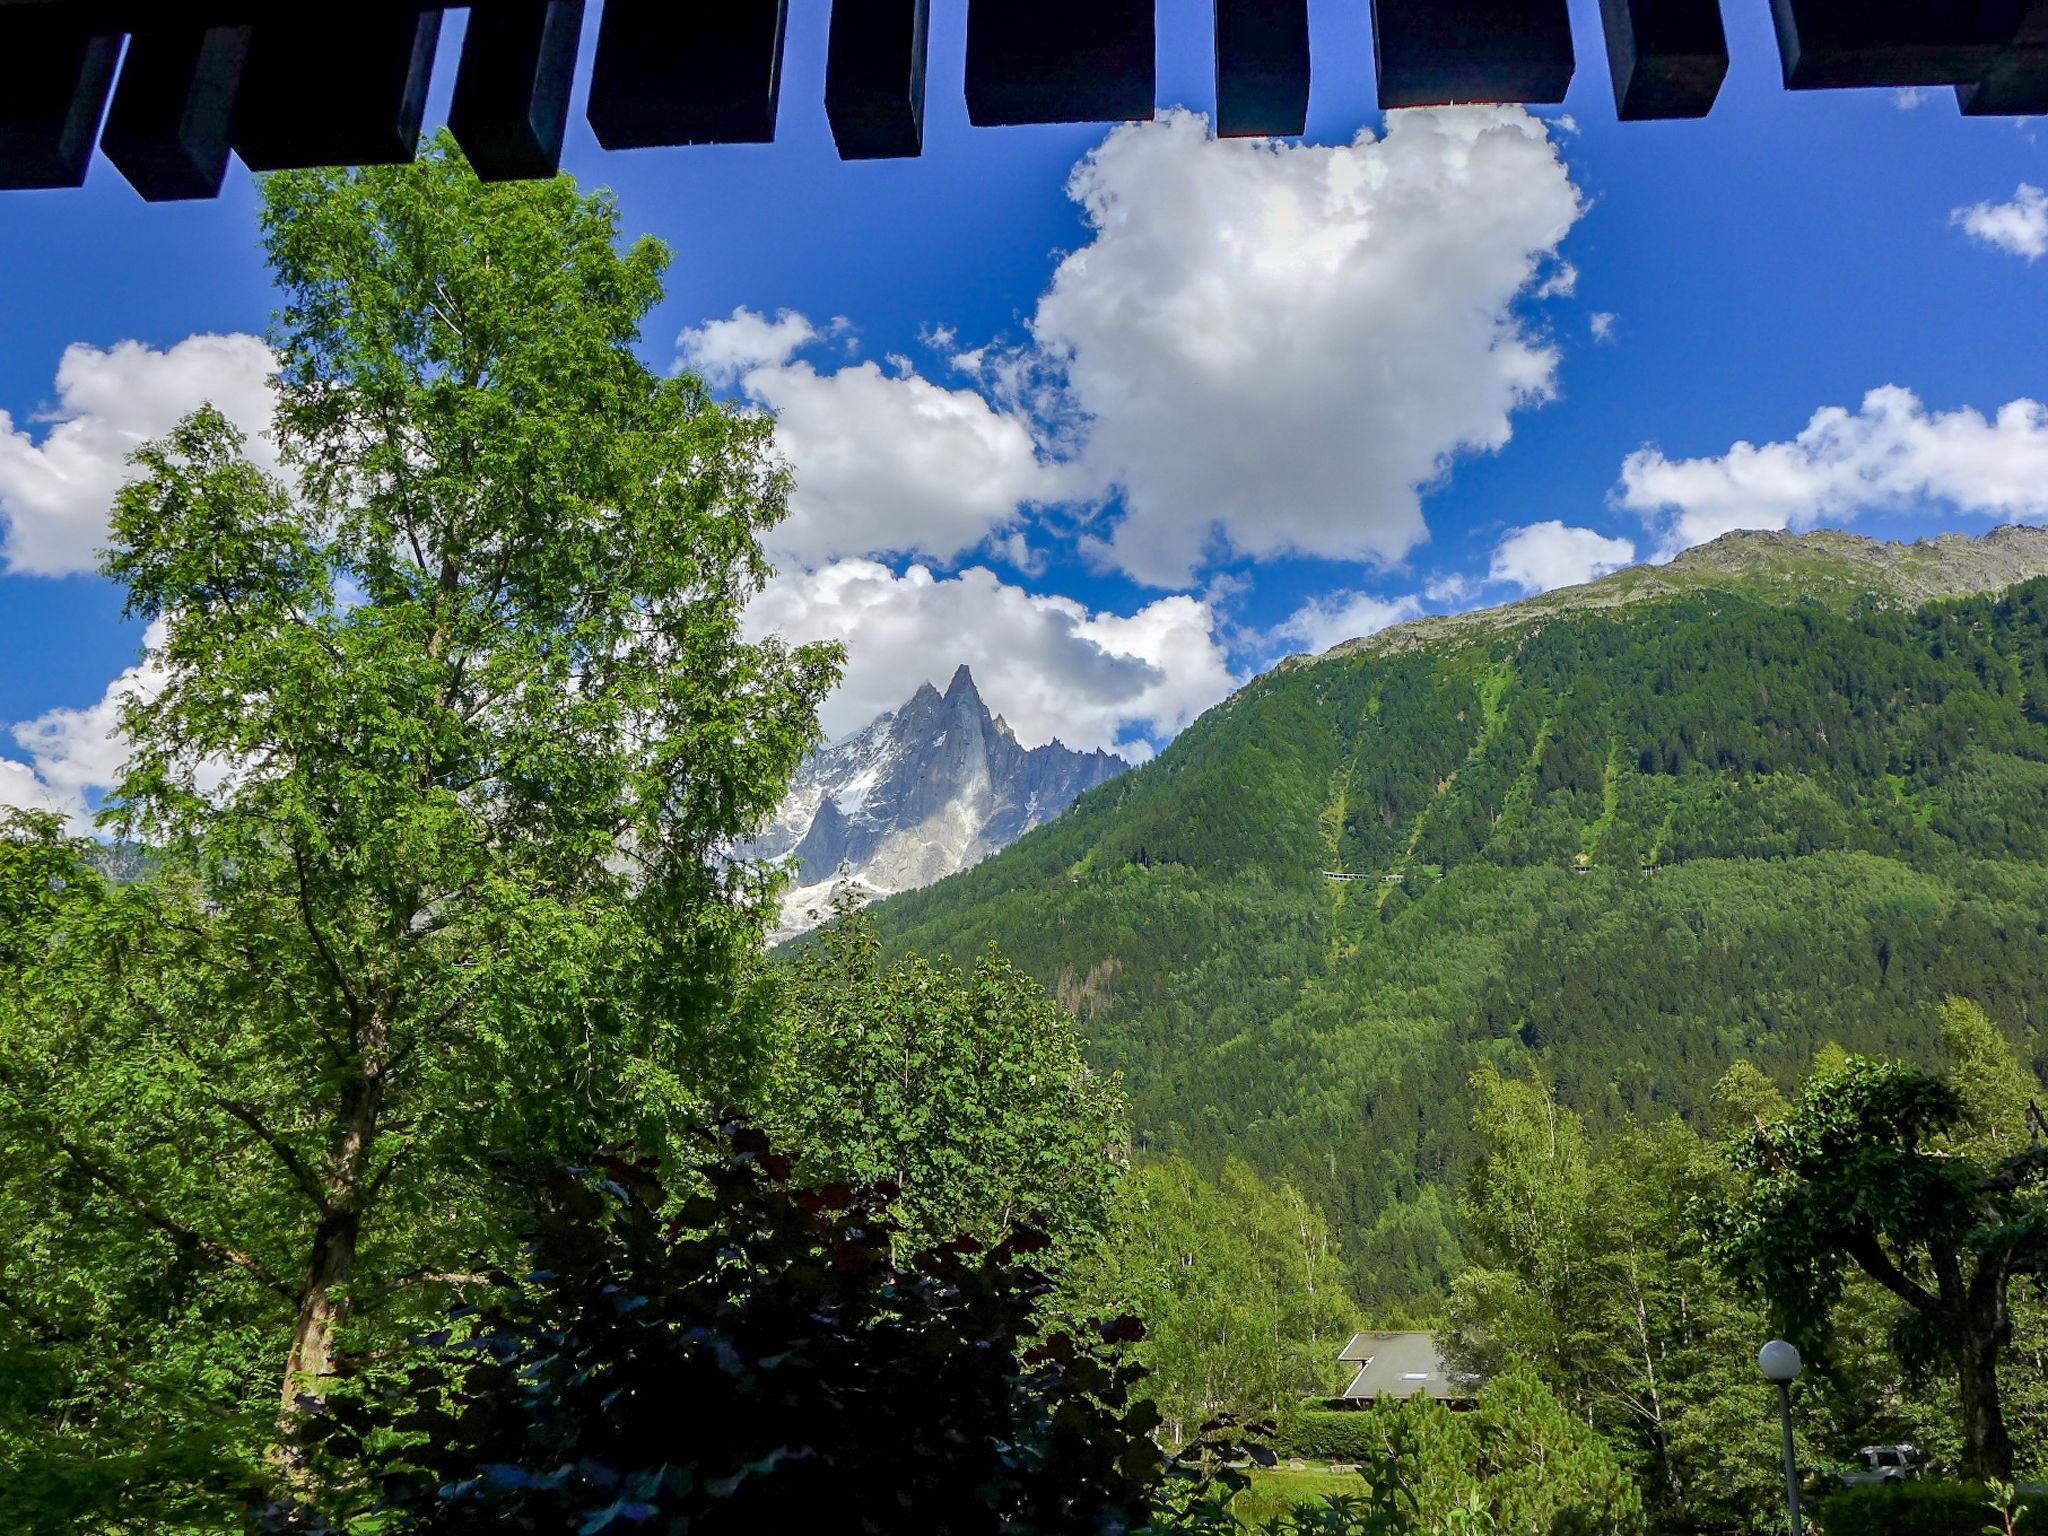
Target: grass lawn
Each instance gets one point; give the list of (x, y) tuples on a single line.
[(1275, 1492)]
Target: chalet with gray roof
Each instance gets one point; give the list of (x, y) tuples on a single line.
[(1400, 1365)]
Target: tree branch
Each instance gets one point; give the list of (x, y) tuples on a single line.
[(312, 926), (1877, 1264), (186, 1237), (302, 1175)]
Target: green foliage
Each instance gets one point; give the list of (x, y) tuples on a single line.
[(1996, 1089), (1837, 807), (1519, 1455), (1587, 1270), (970, 1096), (1922, 1509), (745, 1356), (1857, 1174), (454, 731), (1240, 1287), (1325, 1434)]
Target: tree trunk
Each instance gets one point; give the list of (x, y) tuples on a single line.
[(1983, 1414), (323, 1304), (322, 1308)]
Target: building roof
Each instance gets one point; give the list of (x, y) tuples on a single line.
[(1400, 1365)]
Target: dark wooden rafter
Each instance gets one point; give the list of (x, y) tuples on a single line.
[(874, 77), (1433, 52), (317, 93), (1831, 44), (1262, 68), (297, 83), (55, 94), (511, 107), (673, 72), (2016, 84), (1668, 57), (173, 113), (1060, 61)]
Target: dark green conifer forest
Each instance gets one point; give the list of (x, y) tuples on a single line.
[(1629, 845)]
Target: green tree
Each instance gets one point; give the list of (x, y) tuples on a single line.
[(1997, 1090), (1520, 1455), (1586, 1270), (970, 1095), (453, 734), (1240, 1286), (1858, 1174)]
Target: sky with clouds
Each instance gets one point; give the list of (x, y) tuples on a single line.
[(1119, 417)]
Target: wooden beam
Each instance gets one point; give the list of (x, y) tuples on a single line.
[(1668, 57), (687, 72), (1431, 52), (1262, 68), (55, 72), (1060, 61), (320, 90), (2016, 85), (511, 106), (1827, 44), (174, 110), (874, 77)]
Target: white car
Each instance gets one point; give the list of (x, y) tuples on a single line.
[(1884, 1464)]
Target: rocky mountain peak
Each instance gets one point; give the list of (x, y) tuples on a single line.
[(917, 794)]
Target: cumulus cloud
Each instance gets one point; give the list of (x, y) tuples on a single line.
[(1890, 453), (2020, 226), (1046, 663), (725, 351), (21, 790), (77, 754), (1601, 324), (1547, 555), (1330, 620), (56, 490), (884, 461), (1273, 347)]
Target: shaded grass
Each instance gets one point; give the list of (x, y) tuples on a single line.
[(1276, 1491)]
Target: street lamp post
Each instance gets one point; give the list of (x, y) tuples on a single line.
[(1779, 1362)]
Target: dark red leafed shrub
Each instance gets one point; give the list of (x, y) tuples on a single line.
[(748, 1359), (1919, 1509)]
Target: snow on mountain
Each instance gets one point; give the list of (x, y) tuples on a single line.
[(913, 796)]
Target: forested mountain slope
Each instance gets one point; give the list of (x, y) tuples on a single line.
[(1738, 806)]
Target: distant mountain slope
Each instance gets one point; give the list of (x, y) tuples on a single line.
[(1741, 805), (917, 794), (1828, 566)]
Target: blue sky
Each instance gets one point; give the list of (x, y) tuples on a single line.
[(1197, 444)]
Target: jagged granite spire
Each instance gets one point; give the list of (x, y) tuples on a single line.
[(916, 795)]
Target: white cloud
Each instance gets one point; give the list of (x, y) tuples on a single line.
[(2020, 226), (21, 790), (1890, 453), (1452, 587), (1046, 663), (884, 461), (1908, 98), (1330, 620), (1547, 555), (55, 493), (725, 351), (1275, 345), (1601, 324), (76, 754)]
